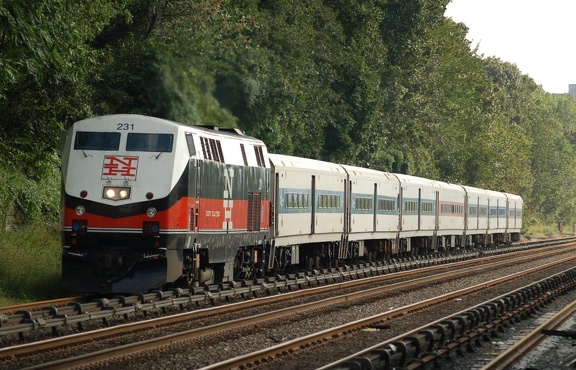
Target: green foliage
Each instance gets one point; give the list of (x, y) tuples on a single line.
[(544, 230), (30, 264), (45, 60), (24, 201), (163, 86), (389, 85), (553, 160), (279, 83), (164, 65)]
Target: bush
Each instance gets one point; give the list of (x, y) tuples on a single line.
[(24, 201), (542, 230), (30, 267)]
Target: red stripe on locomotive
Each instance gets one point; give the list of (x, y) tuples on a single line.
[(214, 214), (211, 215)]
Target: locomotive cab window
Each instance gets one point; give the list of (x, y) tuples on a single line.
[(149, 142), (191, 147), (97, 140)]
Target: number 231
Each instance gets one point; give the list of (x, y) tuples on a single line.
[(125, 126)]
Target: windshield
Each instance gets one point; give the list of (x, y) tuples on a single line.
[(149, 142), (97, 140)]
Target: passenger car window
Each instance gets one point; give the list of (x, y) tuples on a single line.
[(149, 142), (97, 140)]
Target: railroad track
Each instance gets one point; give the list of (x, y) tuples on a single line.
[(531, 341), (457, 333), (49, 315), (35, 312), (406, 351), (79, 310), (34, 306), (18, 354)]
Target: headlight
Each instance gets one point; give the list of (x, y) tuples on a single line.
[(80, 210), (151, 212), (116, 192)]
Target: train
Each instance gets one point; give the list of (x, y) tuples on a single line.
[(149, 203)]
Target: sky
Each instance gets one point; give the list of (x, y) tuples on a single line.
[(538, 36)]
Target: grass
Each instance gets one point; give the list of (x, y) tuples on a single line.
[(30, 265), (542, 230)]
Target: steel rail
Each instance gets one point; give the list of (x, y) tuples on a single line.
[(376, 352), (103, 309), (292, 346), (463, 266), (161, 342), (38, 305), (517, 351), (34, 311)]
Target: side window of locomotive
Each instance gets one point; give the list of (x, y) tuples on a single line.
[(244, 154), (149, 142), (259, 156), (191, 147), (205, 148), (97, 140), (212, 149)]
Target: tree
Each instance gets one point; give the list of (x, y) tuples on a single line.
[(44, 64), (553, 160)]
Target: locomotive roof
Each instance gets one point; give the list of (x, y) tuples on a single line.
[(212, 130)]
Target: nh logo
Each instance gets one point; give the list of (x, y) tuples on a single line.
[(227, 199), (228, 176), (119, 167)]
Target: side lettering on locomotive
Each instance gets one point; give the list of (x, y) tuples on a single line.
[(228, 203)]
